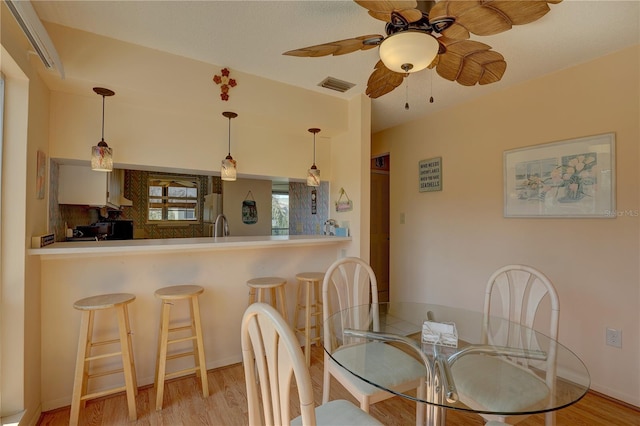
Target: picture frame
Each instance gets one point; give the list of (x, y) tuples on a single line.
[(570, 178), (430, 175)]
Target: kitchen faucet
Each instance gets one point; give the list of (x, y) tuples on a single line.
[(225, 226)]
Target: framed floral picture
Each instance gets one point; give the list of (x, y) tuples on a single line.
[(572, 178)]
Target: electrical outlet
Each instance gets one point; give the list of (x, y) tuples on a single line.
[(614, 337)]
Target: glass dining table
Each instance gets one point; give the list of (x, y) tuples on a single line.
[(472, 362)]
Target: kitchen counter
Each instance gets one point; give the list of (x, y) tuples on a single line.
[(222, 266), (119, 247)]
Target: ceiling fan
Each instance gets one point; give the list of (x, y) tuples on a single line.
[(423, 34)]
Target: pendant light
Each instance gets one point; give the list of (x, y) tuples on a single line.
[(228, 171), (101, 154), (313, 174)]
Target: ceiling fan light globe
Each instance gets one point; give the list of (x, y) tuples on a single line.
[(408, 51)]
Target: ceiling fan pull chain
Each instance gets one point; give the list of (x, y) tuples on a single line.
[(431, 84), (406, 93)]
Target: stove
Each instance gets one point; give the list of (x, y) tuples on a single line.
[(112, 230)]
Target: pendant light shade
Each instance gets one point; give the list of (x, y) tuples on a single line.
[(229, 171), (313, 174), (101, 154)]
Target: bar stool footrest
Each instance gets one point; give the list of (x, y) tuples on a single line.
[(102, 356), (105, 373), (180, 355), (181, 372), (180, 328), (183, 339), (105, 342), (103, 393)]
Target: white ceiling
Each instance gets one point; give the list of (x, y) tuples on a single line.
[(250, 36)]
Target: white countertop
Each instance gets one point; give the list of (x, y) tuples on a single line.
[(119, 247)]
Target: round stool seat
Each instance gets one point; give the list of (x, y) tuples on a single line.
[(103, 301), (266, 282), (274, 287), (179, 291), (310, 276)]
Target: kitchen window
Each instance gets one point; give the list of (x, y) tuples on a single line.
[(280, 209), (173, 199)]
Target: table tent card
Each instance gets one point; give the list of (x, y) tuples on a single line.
[(440, 333)]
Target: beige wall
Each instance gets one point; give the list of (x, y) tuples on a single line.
[(454, 239), (167, 113), (26, 122), (350, 171)]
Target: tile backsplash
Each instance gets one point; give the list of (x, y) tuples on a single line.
[(302, 220)]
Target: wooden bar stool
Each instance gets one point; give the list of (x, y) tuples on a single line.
[(258, 287), (311, 304), (169, 296), (89, 306)]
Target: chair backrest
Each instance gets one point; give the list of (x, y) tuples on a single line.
[(520, 290), (353, 283), (270, 348)]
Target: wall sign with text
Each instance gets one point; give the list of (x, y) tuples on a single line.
[(430, 175)]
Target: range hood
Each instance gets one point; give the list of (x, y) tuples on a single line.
[(125, 202)]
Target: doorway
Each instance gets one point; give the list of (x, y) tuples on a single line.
[(379, 244)]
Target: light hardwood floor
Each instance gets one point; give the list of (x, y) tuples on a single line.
[(227, 405)]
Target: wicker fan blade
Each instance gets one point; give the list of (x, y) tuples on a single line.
[(470, 62), (339, 47), (487, 17), (382, 81), (382, 9)]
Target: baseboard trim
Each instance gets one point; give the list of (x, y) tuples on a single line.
[(615, 400)]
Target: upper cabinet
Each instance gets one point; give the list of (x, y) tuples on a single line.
[(81, 185)]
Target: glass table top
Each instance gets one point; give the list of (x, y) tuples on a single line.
[(471, 362)]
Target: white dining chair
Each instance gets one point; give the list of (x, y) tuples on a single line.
[(351, 282), (515, 293), (270, 348)]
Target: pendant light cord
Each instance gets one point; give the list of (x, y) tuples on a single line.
[(314, 131), (102, 118), (229, 136), (314, 149)]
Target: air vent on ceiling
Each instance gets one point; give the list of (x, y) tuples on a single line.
[(335, 84), (37, 35)]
